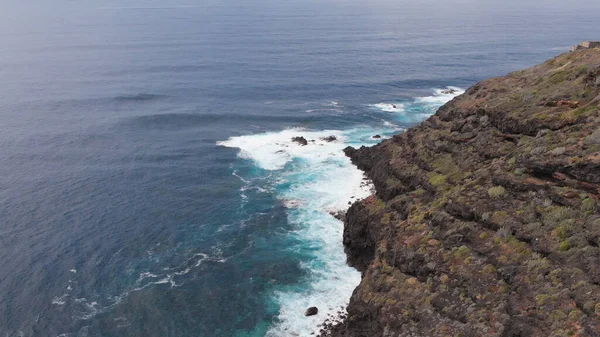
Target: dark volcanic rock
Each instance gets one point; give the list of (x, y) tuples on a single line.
[(300, 140), (340, 215), (329, 138), (448, 91), (486, 217), (311, 311), (377, 136)]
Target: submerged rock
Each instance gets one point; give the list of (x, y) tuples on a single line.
[(311, 311), (329, 138)]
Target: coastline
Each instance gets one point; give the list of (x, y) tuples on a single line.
[(438, 220)]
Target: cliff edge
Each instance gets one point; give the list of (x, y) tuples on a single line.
[(486, 217)]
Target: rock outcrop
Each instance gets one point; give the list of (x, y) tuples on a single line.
[(300, 140), (485, 220), (311, 311), (329, 139)]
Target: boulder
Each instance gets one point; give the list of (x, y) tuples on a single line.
[(300, 140), (377, 136), (311, 311)]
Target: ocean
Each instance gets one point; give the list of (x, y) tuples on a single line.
[(149, 185)]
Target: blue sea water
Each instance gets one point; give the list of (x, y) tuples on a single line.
[(148, 182)]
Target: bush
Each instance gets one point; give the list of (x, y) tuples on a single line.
[(489, 269), (588, 205), (461, 252), (576, 315), (557, 214), (496, 191), (564, 246), (437, 180)]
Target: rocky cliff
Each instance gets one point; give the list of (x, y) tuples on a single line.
[(486, 217)]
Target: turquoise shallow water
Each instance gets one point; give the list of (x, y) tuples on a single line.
[(148, 184)]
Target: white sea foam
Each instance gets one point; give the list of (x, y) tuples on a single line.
[(329, 188), (389, 107), (273, 150), (426, 104), (60, 300), (440, 96), (321, 180)]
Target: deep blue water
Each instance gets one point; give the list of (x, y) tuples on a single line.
[(148, 185)]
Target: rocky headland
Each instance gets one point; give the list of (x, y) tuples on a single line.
[(485, 220)]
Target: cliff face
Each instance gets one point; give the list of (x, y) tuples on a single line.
[(486, 218)]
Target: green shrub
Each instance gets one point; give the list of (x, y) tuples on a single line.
[(461, 252), (576, 315), (564, 246), (558, 315), (489, 269), (537, 263), (588, 205), (561, 232), (437, 179), (496, 191), (557, 214)]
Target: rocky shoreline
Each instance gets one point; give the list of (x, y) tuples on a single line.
[(486, 217)]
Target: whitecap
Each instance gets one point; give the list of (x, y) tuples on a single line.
[(145, 275), (60, 300), (273, 150), (440, 96), (389, 107)]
